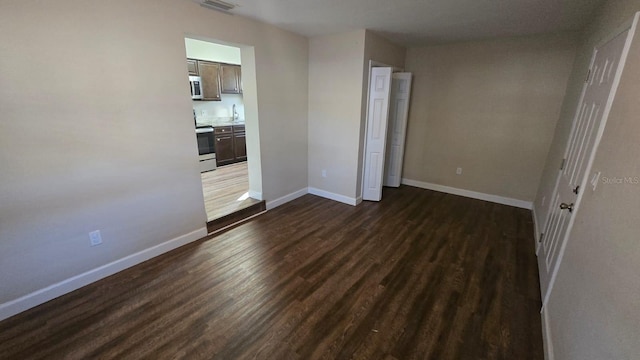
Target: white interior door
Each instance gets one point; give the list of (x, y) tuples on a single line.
[(398, 114), (590, 119), (377, 115)]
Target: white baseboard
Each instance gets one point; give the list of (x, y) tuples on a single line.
[(546, 336), (325, 194), (470, 194), (285, 199), (332, 196), (536, 228), (41, 296), (255, 195)]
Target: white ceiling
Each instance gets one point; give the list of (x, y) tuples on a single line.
[(420, 22)]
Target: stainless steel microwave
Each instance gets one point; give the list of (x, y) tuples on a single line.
[(196, 87)]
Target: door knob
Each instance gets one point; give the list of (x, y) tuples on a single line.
[(569, 207), (576, 190)]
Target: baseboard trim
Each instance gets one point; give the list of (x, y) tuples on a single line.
[(255, 195), (332, 196), (51, 292), (536, 228), (285, 199), (470, 194), (546, 336)]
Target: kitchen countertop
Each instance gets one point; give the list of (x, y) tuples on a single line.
[(218, 122)]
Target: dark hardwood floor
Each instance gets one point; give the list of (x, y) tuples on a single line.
[(420, 275)]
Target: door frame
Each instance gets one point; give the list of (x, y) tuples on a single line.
[(251, 110)]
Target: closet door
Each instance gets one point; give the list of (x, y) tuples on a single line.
[(376, 140)]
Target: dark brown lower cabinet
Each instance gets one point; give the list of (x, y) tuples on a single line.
[(240, 146), (231, 144), (224, 149)]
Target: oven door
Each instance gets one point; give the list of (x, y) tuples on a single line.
[(206, 143)]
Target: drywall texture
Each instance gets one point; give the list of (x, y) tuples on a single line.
[(335, 90), (594, 306), (489, 107), (338, 81), (96, 129)]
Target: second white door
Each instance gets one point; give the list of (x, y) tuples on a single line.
[(396, 134)]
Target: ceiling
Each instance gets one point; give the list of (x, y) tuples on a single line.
[(422, 22)]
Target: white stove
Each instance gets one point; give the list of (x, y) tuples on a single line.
[(206, 148)]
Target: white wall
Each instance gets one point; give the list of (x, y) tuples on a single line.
[(594, 308), (96, 130), (489, 107)]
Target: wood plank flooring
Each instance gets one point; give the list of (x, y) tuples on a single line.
[(226, 190), (420, 275)]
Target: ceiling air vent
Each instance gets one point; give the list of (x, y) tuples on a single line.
[(217, 5)]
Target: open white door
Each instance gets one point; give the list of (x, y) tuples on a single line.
[(589, 123), (398, 114), (376, 137)]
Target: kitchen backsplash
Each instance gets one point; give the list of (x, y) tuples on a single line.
[(206, 111)]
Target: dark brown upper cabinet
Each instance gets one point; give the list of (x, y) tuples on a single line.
[(210, 74), (192, 67), (231, 79)]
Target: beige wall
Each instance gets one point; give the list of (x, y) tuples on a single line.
[(96, 129), (335, 88), (489, 107), (338, 80), (594, 307)]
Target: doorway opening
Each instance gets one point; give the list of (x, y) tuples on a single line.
[(225, 122)]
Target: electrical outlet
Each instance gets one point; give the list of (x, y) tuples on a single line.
[(95, 238), (324, 173), (459, 171)]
